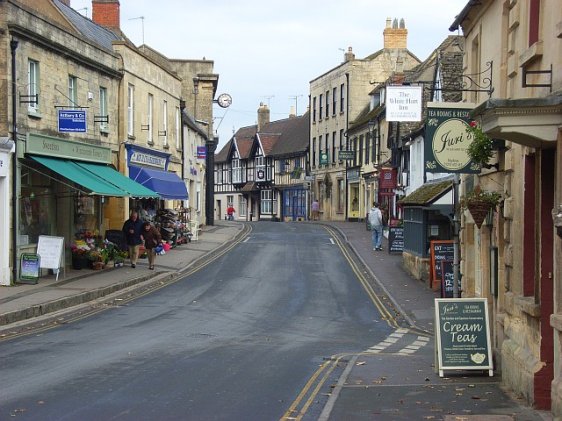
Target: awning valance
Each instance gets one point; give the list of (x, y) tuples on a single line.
[(100, 179), (167, 184)]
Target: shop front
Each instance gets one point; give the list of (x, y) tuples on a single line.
[(64, 191), (354, 194)]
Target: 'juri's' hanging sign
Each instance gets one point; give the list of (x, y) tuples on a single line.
[(446, 139)]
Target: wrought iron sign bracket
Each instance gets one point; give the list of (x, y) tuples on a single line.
[(101, 119), (29, 99)]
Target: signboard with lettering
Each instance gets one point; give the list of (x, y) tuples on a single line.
[(463, 334), (447, 141), (201, 152), (442, 257), (403, 103), (346, 155), (144, 157), (30, 268), (61, 148), (324, 158), (51, 250), (73, 121), (395, 239)]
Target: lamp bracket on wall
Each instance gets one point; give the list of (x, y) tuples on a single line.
[(526, 84), (101, 119), (145, 127), (29, 99), (162, 132)]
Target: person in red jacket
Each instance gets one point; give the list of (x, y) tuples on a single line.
[(230, 212)]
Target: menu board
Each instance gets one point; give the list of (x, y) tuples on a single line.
[(50, 250), (442, 269), (30, 268), (463, 334), (395, 239)]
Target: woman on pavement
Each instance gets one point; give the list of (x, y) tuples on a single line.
[(151, 238)]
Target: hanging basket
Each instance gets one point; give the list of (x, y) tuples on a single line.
[(479, 209)]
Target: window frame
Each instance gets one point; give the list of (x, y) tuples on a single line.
[(104, 124), (33, 79), (130, 110)]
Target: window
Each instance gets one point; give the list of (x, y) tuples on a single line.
[(131, 110), (342, 97), (73, 90), (150, 120), (334, 100), (242, 205), (340, 194), (367, 151), (179, 146), (33, 86), (334, 147), (165, 123), (236, 171), (268, 202), (104, 125), (198, 196), (327, 104), (327, 148), (260, 168), (341, 141), (361, 150), (314, 110), (314, 152), (319, 149), (320, 105), (534, 23), (374, 135)]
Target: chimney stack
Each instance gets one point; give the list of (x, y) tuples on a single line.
[(106, 13), (292, 112), (263, 116), (349, 55), (395, 36)]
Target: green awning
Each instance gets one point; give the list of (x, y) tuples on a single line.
[(132, 188), (100, 179)]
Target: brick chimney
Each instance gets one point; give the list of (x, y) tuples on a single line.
[(292, 112), (263, 116), (106, 13), (395, 36)]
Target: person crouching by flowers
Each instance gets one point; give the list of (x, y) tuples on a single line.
[(151, 238)]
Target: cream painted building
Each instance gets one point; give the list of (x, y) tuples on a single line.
[(337, 98), (518, 44)]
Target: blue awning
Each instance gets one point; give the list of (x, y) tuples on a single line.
[(167, 184)]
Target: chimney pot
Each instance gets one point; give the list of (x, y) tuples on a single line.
[(395, 37)]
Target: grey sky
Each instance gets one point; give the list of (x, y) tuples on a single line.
[(268, 51)]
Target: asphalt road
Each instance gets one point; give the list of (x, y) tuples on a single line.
[(238, 340)]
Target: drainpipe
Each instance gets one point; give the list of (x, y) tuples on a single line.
[(13, 47), (346, 131)]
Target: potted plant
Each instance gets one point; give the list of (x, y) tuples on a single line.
[(479, 203), (481, 149)]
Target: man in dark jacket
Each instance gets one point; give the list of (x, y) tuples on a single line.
[(132, 229)]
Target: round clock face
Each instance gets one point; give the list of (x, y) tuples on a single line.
[(224, 100)]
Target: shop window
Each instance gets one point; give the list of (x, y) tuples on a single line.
[(35, 204)]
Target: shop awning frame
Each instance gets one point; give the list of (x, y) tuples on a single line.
[(167, 184)]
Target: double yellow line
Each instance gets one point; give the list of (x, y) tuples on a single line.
[(311, 389)]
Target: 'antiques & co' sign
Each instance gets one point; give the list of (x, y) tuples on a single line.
[(447, 141)]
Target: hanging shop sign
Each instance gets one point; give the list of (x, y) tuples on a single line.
[(387, 178), (447, 141), (201, 152), (324, 158), (463, 334), (39, 144), (346, 155), (72, 121), (403, 103), (353, 174)]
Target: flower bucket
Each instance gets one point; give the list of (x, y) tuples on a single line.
[(479, 210)]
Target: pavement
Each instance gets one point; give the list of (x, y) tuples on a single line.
[(367, 390)]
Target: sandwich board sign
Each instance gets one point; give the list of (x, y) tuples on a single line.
[(463, 335), (51, 251)]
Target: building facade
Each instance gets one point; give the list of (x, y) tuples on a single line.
[(336, 99), (518, 45)]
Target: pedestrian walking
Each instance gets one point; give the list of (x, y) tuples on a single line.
[(230, 212), (315, 210), (151, 239), (375, 219), (132, 230)]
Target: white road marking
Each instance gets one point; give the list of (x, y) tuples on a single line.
[(246, 240), (332, 241), (393, 338)]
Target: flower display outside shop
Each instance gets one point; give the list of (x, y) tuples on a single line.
[(481, 149), (479, 203)]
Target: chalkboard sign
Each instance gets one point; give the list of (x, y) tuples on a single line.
[(442, 259), (463, 334), (50, 249), (30, 267), (116, 237), (395, 239)]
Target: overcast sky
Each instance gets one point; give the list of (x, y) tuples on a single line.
[(269, 51)]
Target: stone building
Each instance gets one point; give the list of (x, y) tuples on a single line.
[(514, 259), (337, 97)]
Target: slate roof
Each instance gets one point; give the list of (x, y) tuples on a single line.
[(427, 194), (88, 28), (224, 153)]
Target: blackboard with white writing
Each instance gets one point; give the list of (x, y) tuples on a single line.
[(463, 334), (442, 259), (395, 239)]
